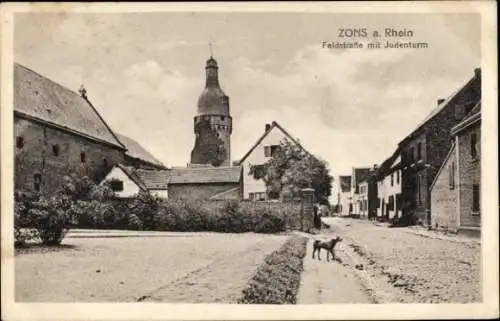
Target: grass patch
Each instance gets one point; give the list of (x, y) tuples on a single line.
[(277, 280)]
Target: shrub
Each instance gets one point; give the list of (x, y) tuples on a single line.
[(50, 217), (145, 206), (277, 280)]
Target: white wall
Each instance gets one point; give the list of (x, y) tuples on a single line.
[(385, 190), (129, 187), (345, 200), (257, 157)]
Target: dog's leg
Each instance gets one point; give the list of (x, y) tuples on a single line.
[(319, 252), (314, 250), (328, 255)]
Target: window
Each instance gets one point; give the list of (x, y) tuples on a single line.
[(451, 173), (419, 151), (270, 151), (476, 199), (82, 157), (390, 204), (419, 197), (251, 196), (397, 177), (19, 142), (104, 162), (261, 196), (37, 182), (116, 185), (474, 148), (392, 179), (55, 150), (412, 155)]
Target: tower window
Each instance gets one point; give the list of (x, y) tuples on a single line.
[(19, 142), (104, 162), (55, 150), (82, 157)]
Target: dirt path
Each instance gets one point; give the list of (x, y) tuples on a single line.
[(329, 282), (128, 266)]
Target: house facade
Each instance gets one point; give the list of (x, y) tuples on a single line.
[(344, 195), (425, 149), (389, 188), (57, 132), (359, 174), (259, 154), (456, 190), (202, 183)]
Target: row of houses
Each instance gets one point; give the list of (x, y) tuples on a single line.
[(58, 132), (433, 175)]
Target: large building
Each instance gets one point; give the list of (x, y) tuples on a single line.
[(424, 150), (58, 132), (137, 156), (213, 124), (455, 192)]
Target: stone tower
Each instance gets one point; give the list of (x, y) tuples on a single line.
[(212, 124)]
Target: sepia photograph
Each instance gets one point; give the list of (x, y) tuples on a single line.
[(249, 157)]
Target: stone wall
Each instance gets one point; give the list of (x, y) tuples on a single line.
[(470, 174), (200, 191), (444, 198), (36, 156)]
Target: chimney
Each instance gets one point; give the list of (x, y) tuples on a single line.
[(477, 72), (268, 126), (440, 101)]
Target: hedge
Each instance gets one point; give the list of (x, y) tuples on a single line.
[(277, 280)]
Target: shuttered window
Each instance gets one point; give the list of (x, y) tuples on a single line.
[(476, 201)]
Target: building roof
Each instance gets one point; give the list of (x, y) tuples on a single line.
[(273, 125), (154, 179), (345, 183), (200, 175), (385, 168), (360, 174), (132, 174), (472, 118), (135, 150), (41, 99), (444, 103)]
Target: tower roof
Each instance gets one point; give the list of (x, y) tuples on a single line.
[(213, 100)]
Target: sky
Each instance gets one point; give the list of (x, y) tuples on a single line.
[(350, 107)]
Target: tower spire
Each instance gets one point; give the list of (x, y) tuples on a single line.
[(210, 48)]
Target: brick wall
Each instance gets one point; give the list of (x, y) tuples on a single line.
[(436, 143), (198, 191), (444, 198), (36, 156), (470, 173)]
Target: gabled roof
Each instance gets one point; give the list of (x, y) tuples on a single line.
[(443, 104), (273, 125), (360, 174), (132, 174), (472, 118), (41, 99), (345, 183), (135, 150), (385, 167), (147, 179), (200, 175)]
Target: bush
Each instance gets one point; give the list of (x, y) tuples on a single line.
[(277, 280), (50, 217)]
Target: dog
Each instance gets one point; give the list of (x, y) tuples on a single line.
[(328, 246)]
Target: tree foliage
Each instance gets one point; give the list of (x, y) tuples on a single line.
[(291, 169)]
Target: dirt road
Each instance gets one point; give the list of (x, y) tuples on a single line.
[(127, 266), (384, 265)]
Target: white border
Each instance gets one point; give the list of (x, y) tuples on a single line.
[(141, 311)]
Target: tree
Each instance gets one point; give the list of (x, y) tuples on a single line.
[(291, 169)]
